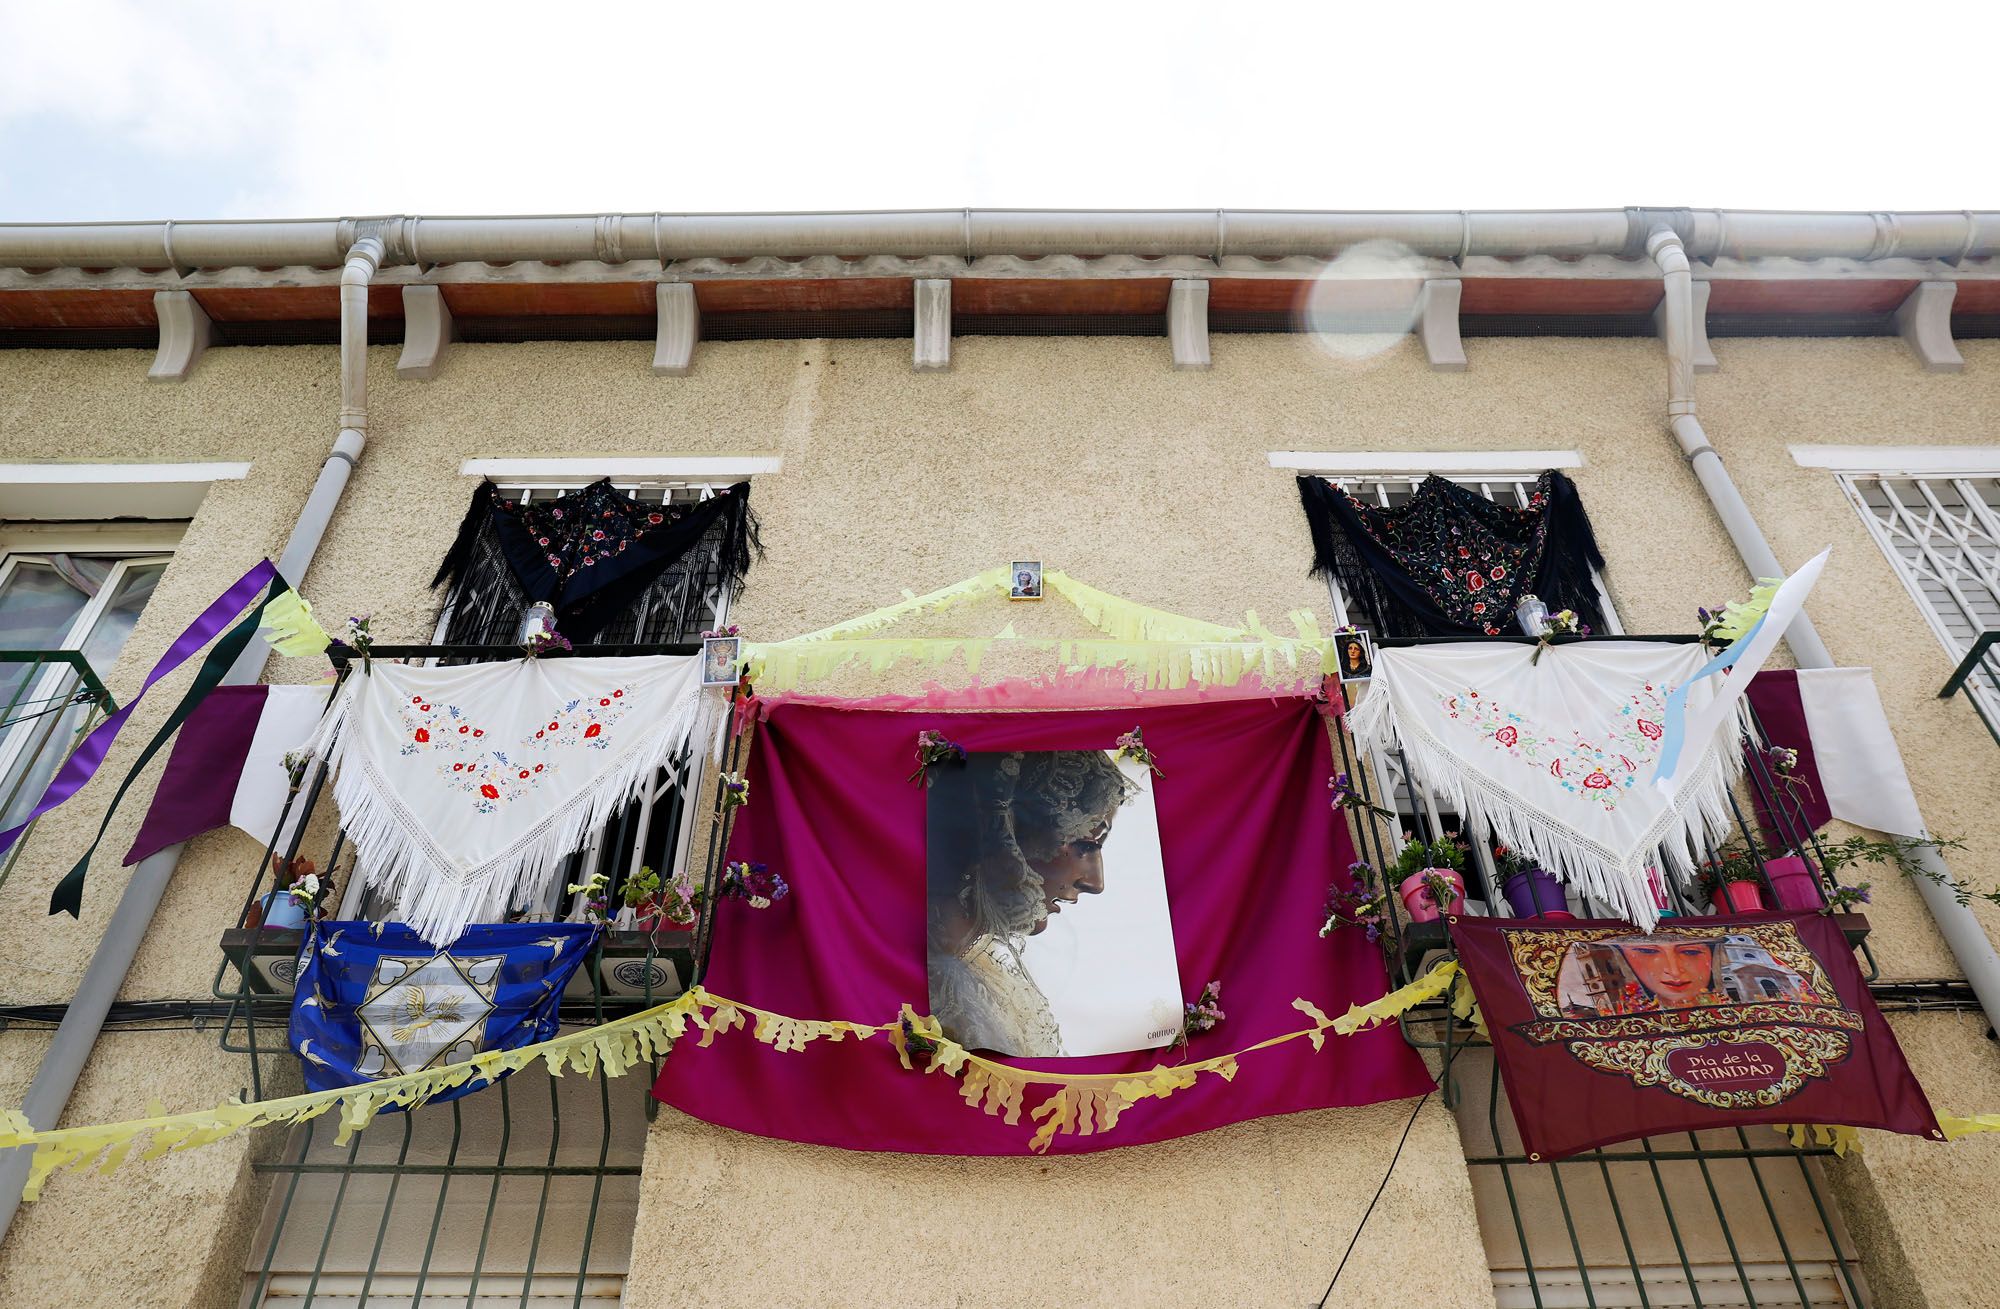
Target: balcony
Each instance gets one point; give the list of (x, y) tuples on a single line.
[(1774, 808), (1978, 675), (630, 969), (49, 701)]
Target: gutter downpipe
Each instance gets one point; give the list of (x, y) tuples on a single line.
[(83, 1020), (1962, 934)]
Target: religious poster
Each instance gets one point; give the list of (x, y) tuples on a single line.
[(1606, 1033), (1047, 925)]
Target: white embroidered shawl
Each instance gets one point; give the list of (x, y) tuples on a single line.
[(463, 789), (1556, 758)]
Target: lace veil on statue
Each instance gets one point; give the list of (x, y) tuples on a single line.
[(987, 820)]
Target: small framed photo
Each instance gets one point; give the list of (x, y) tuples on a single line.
[(1354, 653), (1025, 579), (719, 657)]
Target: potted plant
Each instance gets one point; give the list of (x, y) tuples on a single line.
[(297, 891), (1730, 881), (656, 905), (1433, 876), (1531, 890), (1794, 883)]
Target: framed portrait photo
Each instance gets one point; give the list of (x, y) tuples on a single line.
[(719, 658), (1024, 579), (1048, 927), (1354, 656)]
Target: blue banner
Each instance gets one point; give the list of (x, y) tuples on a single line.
[(376, 1000)]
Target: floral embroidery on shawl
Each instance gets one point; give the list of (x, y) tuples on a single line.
[(1582, 767), (1449, 561), (496, 777)]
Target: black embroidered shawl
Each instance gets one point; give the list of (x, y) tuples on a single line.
[(1451, 562), (593, 551)]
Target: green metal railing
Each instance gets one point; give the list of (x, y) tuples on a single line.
[(421, 1176), (1718, 1209), (1979, 659), (42, 720)]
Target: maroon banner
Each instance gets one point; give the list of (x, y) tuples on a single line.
[(1248, 843), (1605, 1033)]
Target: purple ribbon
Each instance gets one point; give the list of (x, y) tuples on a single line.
[(83, 762)]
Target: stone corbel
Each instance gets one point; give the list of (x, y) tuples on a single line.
[(185, 332)]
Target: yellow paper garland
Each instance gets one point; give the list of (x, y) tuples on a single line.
[(1081, 1103)]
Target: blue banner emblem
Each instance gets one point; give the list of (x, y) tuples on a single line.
[(376, 1000)]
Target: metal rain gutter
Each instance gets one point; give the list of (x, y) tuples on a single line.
[(76, 1036), (1961, 931), (1705, 234)]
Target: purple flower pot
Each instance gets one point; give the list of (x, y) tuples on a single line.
[(1793, 882), (1535, 893)]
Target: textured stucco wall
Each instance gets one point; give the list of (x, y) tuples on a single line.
[(1094, 456)]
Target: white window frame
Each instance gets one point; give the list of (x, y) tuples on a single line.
[(1854, 465), (15, 741)]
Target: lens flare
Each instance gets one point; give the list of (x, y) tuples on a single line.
[(1365, 300)]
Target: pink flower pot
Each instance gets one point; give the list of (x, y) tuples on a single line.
[(1417, 897), (1793, 883), (1739, 898)]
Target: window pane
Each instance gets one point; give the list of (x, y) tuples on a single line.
[(37, 609), (109, 634)]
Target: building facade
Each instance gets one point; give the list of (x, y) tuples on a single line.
[(910, 409)]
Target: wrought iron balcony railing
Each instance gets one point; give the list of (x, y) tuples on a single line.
[(1978, 675), (631, 968)]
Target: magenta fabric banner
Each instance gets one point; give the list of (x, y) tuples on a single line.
[(1605, 1033), (1248, 843)]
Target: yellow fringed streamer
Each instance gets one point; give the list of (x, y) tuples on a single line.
[(1465, 1006), (1082, 1102), (1155, 649), (291, 629), (1841, 1137), (994, 581), (1429, 986), (1739, 616), (1126, 620), (1954, 1127)]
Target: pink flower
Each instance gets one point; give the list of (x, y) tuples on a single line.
[(1651, 731), (1507, 736), (1598, 781)]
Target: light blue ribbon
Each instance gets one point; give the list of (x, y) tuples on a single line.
[(1676, 725)]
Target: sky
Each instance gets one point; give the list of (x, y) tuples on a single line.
[(227, 109)]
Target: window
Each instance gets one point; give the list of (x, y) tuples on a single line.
[(1391, 490), (1418, 808), (1713, 1218), (687, 600), (1941, 533), (64, 617), (524, 1193)]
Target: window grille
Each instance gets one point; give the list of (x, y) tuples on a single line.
[(525, 1193), (1393, 490), (1942, 536), (1720, 1218)]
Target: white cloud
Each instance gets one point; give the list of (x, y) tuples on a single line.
[(277, 110)]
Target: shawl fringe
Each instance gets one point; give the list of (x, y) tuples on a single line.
[(396, 855), (1687, 821)]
